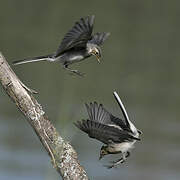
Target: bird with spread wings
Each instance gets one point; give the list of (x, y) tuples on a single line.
[(77, 45), (117, 134)]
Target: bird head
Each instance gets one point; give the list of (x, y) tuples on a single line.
[(94, 50), (104, 151)]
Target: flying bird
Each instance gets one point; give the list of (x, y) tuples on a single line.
[(118, 135), (77, 45)]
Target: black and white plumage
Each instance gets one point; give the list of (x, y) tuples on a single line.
[(118, 135), (78, 44)]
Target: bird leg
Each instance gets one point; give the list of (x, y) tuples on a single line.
[(73, 71), (119, 161)]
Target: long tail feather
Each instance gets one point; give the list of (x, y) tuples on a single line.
[(34, 59), (128, 122)]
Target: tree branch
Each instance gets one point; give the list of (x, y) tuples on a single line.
[(63, 156)]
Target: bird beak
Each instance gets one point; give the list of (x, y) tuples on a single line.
[(96, 55), (98, 58)]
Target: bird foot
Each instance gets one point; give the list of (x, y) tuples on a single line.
[(118, 161), (110, 166), (76, 72), (73, 72), (115, 163)]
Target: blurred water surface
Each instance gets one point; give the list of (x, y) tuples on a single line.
[(140, 61)]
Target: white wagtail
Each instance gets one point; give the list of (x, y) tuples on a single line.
[(78, 44), (118, 135)]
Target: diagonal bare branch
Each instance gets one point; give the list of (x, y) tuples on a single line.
[(63, 156)]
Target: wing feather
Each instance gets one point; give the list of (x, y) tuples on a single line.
[(99, 38), (104, 133), (78, 36), (100, 114)]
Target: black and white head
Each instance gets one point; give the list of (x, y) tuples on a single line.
[(94, 50), (93, 45), (104, 151)]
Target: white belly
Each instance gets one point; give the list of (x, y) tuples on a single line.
[(69, 59), (74, 59), (123, 147)]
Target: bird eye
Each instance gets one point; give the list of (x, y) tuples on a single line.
[(103, 152)]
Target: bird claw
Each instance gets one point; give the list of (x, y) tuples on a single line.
[(78, 73), (109, 166), (118, 161), (115, 163), (73, 72)]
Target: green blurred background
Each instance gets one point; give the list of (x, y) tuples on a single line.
[(140, 61)]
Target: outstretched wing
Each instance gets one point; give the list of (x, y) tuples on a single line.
[(99, 38), (78, 36), (104, 133), (99, 114)]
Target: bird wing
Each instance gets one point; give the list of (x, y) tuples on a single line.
[(78, 36), (104, 133), (99, 114), (99, 38), (119, 122)]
